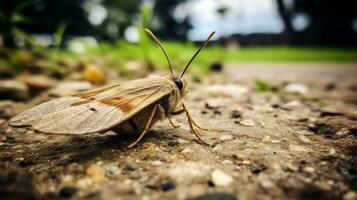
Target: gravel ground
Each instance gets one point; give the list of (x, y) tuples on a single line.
[(295, 141)]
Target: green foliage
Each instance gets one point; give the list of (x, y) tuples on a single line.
[(144, 43), (263, 86), (58, 35), (10, 21)]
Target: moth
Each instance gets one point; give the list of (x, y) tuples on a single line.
[(132, 106)]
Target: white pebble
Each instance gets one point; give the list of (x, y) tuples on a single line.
[(296, 88), (247, 122), (219, 178), (309, 170), (332, 151), (294, 147), (266, 139), (267, 184), (226, 138), (351, 195)]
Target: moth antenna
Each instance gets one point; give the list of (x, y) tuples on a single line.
[(162, 48), (193, 57)]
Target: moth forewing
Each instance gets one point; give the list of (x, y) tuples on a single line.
[(95, 110)]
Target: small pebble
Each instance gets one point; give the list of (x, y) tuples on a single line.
[(156, 163), (220, 178), (247, 122), (246, 162), (291, 167), (213, 103), (37, 82), (227, 162), (266, 184), (351, 195), (236, 114), (166, 186), (216, 67), (173, 143), (304, 139), (332, 152), (266, 139), (296, 88), (187, 172), (256, 169), (292, 104), (217, 148), (84, 182), (187, 151), (14, 90), (224, 138), (132, 166), (93, 73), (297, 148), (310, 170), (67, 192), (97, 173)]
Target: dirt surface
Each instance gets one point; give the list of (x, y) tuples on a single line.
[(297, 141)]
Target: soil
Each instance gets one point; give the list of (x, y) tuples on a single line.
[(297, 143)]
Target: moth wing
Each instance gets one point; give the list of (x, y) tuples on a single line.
[(94, 110), (32, 115)]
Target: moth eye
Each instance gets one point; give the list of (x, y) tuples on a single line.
[(179, 84)]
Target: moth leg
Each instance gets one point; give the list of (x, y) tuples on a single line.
[(171, 122), (191, 123), (147, 125), (177, 112)]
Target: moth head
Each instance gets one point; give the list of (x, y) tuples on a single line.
[(178, 79), (181, 85)]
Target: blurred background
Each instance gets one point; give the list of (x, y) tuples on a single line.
[(53, 34)]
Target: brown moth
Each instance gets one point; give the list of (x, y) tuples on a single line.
[(132, 106)]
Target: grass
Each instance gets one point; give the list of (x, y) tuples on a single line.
[(180, 53), (118, 53)]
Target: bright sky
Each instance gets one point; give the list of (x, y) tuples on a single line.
[(243, 16)]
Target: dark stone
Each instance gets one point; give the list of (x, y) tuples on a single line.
[(330, 87), (166, 186), (275, 105), (236, 114), (256, 169), (132, 167), (353, 131), (210, 183), (67, 192), (323, 129), (10, 139), (352, 151), (217, 112), (216, 67), (216, 196), (328, 113), (311, 192), (26, 162), (172, 143)]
